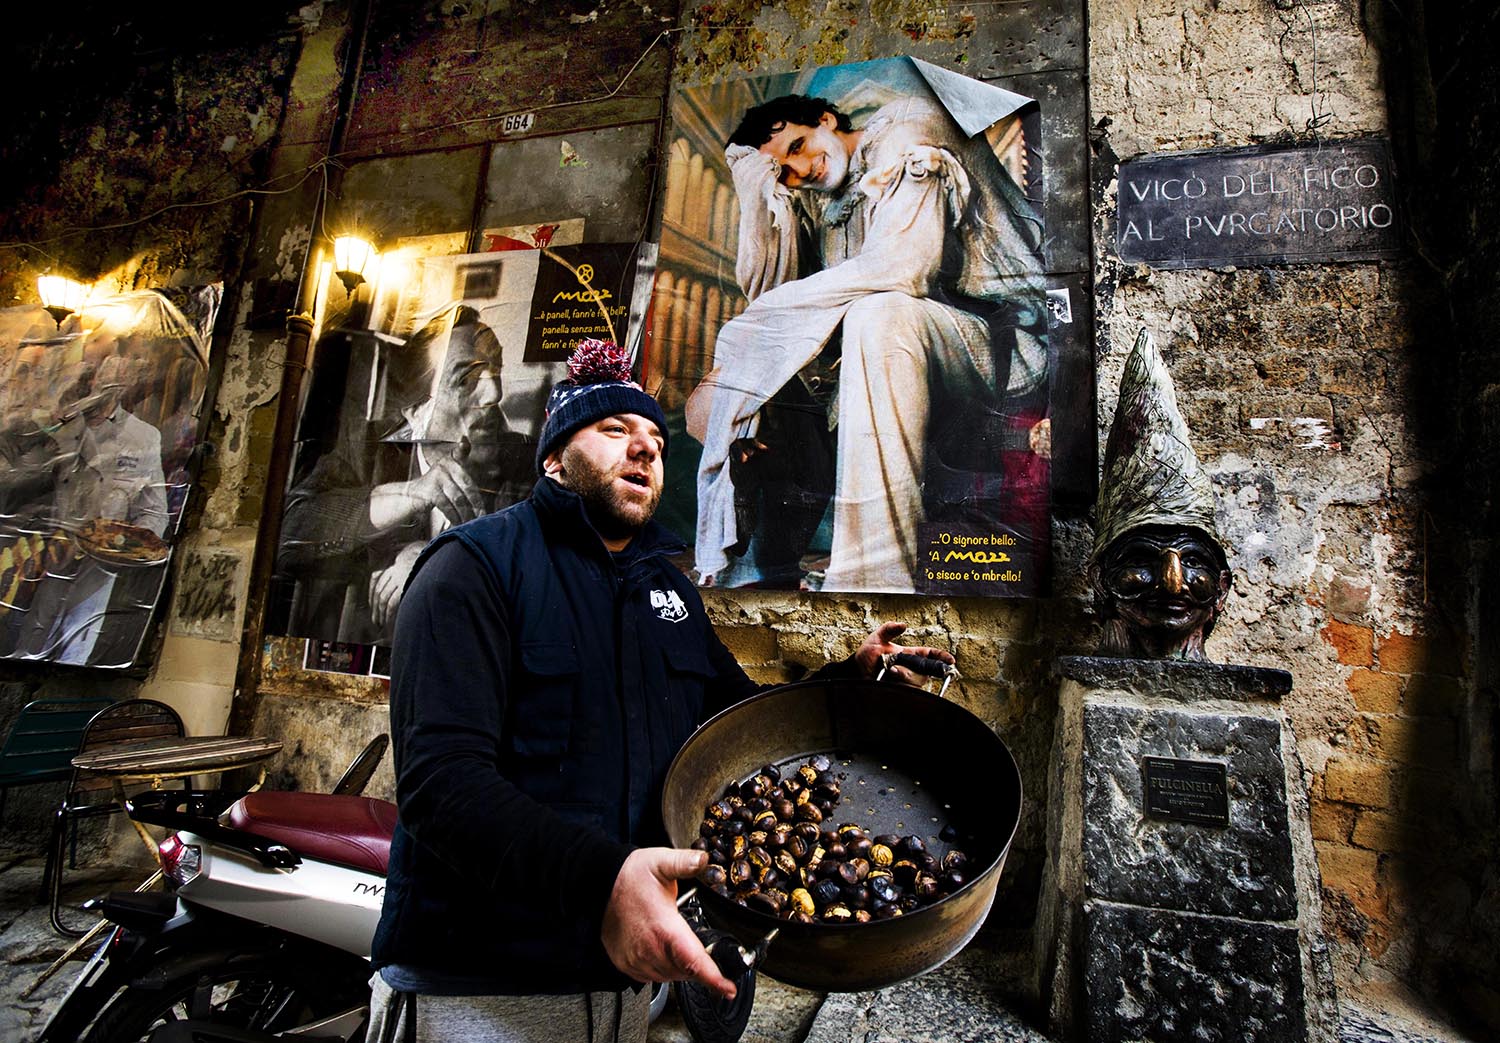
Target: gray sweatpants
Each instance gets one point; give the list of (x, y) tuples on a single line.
[(597, 1017)]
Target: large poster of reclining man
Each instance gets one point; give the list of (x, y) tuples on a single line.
[(850, 321), (99, 416)]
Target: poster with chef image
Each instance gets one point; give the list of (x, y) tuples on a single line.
[(100, 414)]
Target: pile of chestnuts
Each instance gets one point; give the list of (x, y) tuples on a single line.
[(772, 848)]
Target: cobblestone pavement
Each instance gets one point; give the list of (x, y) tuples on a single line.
[(961, 1002)]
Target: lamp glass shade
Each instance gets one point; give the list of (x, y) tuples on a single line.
[(58, 292), (351, 256)]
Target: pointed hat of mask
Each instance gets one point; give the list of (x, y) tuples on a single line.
[(1151, 474)]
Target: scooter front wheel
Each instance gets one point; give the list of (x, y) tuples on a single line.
[(264, 992)]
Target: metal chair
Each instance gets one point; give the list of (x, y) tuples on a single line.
[(90, 794), (357, 775), (43, 741)]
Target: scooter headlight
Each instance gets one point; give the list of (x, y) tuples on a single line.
[(179, 862)]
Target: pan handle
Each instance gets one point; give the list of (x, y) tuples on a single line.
[(927, 666), (751, 957)]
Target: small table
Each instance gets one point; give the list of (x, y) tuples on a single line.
[(155, 761)]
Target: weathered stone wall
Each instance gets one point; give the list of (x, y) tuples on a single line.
[(1309, 393)]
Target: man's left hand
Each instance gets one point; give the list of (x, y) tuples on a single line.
[(881, 643), (387, 584)]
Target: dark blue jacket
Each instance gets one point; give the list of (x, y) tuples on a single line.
[(541, 686)]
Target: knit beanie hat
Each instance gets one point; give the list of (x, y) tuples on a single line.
[(598, 385)]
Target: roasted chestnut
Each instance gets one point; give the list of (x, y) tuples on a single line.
[(771, 772), (954, 860), (826, 892), (912, 845), (926, 887), (785, 809), (881, 855), (884, 888), (802, 901), (810, 813), (713, 875), (740, 873)]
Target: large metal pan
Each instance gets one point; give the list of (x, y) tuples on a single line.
[(915, 764)]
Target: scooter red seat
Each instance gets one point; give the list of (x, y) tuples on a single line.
[(352, 831)]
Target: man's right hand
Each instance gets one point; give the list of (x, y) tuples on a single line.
[(755, 175), (644, 934), (446, 487)]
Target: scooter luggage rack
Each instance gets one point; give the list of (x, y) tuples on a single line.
[(198, 811)]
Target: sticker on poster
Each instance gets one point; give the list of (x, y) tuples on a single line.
[(581, 292), (975, 561)]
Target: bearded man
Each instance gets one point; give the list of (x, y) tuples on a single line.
[(549, 661)]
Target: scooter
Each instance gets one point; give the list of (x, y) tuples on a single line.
[(263, 932)]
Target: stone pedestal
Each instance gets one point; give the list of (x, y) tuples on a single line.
[(1166, 928)]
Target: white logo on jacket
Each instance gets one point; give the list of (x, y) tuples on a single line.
[(669, 605)]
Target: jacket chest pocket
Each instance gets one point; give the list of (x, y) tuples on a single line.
[(685, 665), (544, 699)]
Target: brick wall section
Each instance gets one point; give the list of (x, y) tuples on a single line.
[(1384, 802)]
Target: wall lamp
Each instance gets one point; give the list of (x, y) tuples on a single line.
[(60, 296), (351, 258)]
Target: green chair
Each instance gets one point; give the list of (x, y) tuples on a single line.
[(44, 740)]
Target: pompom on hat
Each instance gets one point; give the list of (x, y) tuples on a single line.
[(598, 385)]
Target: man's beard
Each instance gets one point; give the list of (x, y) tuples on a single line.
[(612, 514)]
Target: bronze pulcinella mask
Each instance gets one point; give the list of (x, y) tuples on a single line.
[(1161, 589), (1159, 573)]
